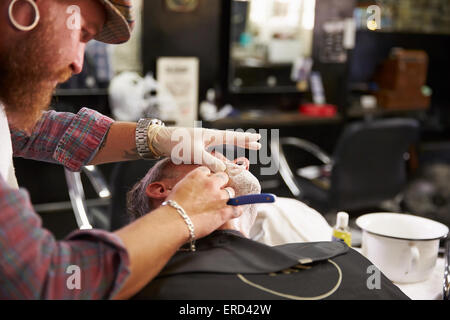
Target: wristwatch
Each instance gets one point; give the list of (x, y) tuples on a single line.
[(142, 146)]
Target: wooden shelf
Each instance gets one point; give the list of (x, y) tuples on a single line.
[(270, 120)]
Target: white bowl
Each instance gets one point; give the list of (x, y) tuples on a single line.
[(404, 247)]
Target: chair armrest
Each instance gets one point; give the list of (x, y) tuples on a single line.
[(309, 147), (98, 181), (279, 158), (77, 198)]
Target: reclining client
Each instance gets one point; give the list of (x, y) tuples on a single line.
[(229, 265)]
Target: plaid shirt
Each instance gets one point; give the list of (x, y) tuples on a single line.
[(33, 265)]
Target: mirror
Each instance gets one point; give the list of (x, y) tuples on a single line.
[(270, 45)]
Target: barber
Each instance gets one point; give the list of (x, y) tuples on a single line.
[(42, 45)]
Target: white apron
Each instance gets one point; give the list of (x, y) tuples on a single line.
[(6, 152)]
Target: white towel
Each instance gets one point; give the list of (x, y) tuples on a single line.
[(288, 221), (243, 182)]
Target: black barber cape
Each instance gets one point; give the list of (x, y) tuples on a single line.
[(229, 266)]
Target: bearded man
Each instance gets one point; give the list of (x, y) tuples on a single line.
[(40, 47)]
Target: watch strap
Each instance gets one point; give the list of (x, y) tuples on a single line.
[(142, 143)]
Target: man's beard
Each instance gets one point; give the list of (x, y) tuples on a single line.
[(28, 76), (244, 182)]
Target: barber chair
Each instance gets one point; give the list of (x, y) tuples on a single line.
[(108, 211), (90, 214), (368, 166)]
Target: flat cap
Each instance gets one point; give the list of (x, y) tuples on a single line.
[(119, 22)]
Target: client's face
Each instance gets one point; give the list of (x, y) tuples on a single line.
[(241, 180), (244, 183)]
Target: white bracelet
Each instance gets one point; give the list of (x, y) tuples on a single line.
[(186, 219)]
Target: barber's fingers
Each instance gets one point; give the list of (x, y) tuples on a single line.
[(215, 180), (242, 139), (243, 162), (237, 212), (219, 180), (213, 163), (219, 155), (232, 212), (202, 172), (245, 140)]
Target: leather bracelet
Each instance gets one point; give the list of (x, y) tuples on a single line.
[(186, 219)]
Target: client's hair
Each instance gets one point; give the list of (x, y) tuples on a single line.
[(138, 203)]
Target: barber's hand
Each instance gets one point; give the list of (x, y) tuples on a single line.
[(203, 196), (189, 145)]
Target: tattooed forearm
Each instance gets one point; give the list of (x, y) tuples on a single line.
[(103, 144), (119, 144)]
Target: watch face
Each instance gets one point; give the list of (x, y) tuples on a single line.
[(182, 5)]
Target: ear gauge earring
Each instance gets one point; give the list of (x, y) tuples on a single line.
[(17, 25)]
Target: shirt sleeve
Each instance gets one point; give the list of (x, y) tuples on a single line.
[(71, 140), (90, 264)]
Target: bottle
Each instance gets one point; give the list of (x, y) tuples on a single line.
[(341, 231), (208, 108)]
